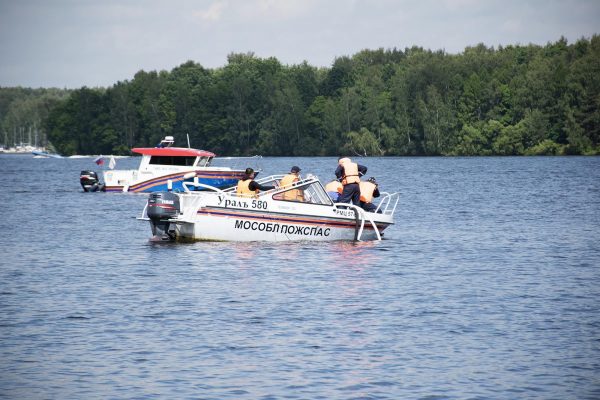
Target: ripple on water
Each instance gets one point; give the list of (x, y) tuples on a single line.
[(486, 287)]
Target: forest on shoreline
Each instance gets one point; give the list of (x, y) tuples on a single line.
[(513, 100)]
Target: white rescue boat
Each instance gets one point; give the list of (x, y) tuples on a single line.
[(297, 212)]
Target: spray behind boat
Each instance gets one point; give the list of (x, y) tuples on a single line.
[(162, 206)]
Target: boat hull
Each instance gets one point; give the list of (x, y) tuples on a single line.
[(266, 228), (128, 181)]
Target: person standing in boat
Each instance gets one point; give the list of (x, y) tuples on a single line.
[(248, 187), (289, 180), (349, 174), (368, 190)]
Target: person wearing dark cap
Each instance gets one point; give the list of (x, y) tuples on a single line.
[(248, 187), (349, 174), (290, 180), (368, 190)]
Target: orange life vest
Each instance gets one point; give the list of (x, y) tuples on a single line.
[(350, 173), (295, 194), (366, 191), (334, 186), (243, 190)]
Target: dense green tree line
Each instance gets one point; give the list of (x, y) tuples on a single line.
[(24, 112), (514, 100)]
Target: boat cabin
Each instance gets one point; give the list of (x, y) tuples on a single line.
[(173, 157)]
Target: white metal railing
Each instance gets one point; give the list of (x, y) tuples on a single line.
[(196, 183), (362, 216), (274, 180), (239, 162), (387, 204)]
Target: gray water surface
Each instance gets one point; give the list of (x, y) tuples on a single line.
[(487, 287)]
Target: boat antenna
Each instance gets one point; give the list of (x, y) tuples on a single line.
[(188, 138)]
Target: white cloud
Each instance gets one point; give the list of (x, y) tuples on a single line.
[(214, 12)]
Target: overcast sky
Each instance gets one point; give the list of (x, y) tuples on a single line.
[(71, 43)]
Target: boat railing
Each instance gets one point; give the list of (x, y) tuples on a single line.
[(361, 216), (196, 184), (256, 157), (387, 204), (276, 179), (239, 162), (271, 180)]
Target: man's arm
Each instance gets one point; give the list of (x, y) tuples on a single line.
[(339, 172)]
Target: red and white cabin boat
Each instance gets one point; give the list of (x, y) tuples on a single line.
[(165, 168)]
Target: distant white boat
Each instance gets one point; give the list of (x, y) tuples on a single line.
[(25, 149), (45, 154)]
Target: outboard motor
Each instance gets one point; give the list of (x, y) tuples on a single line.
[(162, 206), (90, 182)]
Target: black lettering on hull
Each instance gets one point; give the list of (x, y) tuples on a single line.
[(282, 228)]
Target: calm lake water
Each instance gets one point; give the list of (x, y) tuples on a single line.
[(487, 287)]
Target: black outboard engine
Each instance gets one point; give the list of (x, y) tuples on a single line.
[(162, 206), (90, 182)]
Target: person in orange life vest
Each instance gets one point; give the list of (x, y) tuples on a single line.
[(368, 190), (289, 180), (248, 187), (349, 174), (334, 189)]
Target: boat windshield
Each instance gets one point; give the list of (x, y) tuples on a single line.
[(173, 160), (204, 161), (310, 192)]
